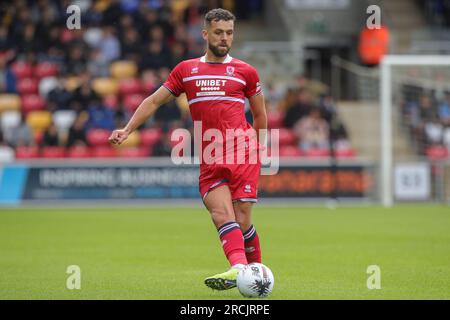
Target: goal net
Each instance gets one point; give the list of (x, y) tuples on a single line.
[(415, 129)]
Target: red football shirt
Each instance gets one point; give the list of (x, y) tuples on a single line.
[(216, 92)]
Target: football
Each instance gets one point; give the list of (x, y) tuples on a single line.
[(255, 280)]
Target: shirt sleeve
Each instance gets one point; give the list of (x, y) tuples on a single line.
[(253, 86), (174, 82)]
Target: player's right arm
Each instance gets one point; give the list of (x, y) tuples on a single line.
[(145, 110)]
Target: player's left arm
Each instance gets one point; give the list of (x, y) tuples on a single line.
[(258, 109)]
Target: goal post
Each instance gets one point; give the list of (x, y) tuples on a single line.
[(386, 114)]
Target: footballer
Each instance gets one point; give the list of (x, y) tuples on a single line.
[(216, 86)]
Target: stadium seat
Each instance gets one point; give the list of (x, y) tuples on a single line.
[(79, 152), (64, 119), (104, 152), (148, 87), (45, 69), (32, 102), (27, 86), (123, 69), (275, 119), (130, 86), (67, 35), (137, 152), (53, 152), (98, 137), (132, 101), (317, 153), (105, 86), (111, 101), (9, 101), (177, 139), (132, 141), (6, 154), (287, 137), (71, 83), (290, 151), (9, 119), (38, 137), (22, 69), (46, 85), (437, 153), (39, 120), (150, 136), (27, 152), (344, 153)]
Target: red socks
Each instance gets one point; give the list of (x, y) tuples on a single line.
[(252, 247), (233, 243)]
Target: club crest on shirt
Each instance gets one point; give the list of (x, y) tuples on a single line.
[(230, 70), (194, 70)]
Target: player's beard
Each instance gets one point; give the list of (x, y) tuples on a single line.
[(216, 50)]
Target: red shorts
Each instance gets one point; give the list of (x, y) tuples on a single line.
[(242, 179)]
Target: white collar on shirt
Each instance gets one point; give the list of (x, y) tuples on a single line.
[(227, 59)]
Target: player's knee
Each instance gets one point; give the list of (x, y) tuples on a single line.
[(243, 220)]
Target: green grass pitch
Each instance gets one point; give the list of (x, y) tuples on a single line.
[(165, 253)]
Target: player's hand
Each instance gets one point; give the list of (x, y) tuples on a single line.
[(118, 136)]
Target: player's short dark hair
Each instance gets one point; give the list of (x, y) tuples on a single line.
[(217, 15)]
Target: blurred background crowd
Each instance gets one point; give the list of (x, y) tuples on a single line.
[(62, 91)]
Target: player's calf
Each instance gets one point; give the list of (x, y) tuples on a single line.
[(252, 246)]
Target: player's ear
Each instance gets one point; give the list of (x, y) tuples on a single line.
[(205, 34)]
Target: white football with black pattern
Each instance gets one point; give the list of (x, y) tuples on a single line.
[(255, 280)]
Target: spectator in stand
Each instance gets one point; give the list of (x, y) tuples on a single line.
[(422, 118), (51, 136), (154, 57), (20, 136), (59, 98), (272, 95), (167, 114), (178, 53), (131, 45), (328, 108), (76, 59), (312, 131), (338, 134), (29, 41), (98, 65), (427, 108), (434, 131), (52, 47), (444, 110), (5, 42), (112, 13), (6, 152), (163, 148), (193, 18), (315, 88), (100, 117), (7, 77), (148, 19), (84, 95), (129, 6), (77, 132), (301, 108), (156, 34), (121, 116), (109, 45)]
